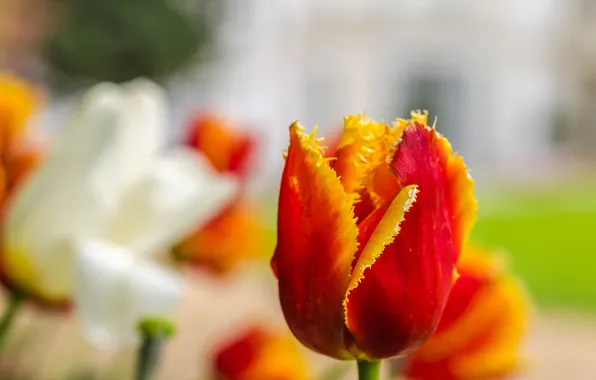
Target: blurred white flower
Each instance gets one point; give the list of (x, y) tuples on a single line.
[(106, 199)]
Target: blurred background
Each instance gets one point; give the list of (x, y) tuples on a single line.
[(511, 83)]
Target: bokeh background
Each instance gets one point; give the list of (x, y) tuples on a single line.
[(511, 83)]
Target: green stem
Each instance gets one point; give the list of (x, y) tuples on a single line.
[(155, 332), (14, 304), (369, 370)]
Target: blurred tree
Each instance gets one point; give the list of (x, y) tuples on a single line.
[(118, 40)]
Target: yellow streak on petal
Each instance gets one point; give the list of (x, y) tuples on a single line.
[(383, 235)]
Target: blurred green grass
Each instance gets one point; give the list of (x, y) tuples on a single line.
[(550, 235)]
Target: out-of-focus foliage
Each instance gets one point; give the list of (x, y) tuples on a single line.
[(119, 40), (550, 232)]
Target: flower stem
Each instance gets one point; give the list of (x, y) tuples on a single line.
[(155, 332), (14, 304), (369, 370)]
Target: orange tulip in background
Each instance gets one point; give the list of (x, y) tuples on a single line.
[(259, 354), (18, 157), (368, 240), (18, 100), (481, 330), (233, 235)]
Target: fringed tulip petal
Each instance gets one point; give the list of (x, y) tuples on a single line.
[(416, 270), (376, 232), (316, 243)]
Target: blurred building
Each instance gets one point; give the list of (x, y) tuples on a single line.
[(488, 70), (578, 62)]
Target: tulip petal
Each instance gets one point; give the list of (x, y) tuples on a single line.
[(17, 102), (316, 244), (385, 222), (363, 147), (115, 289), (226, 149), (424, 143), (180, 192), (230, 238), (495, 352), (397, 305)]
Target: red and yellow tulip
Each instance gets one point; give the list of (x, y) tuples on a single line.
[(233, 235), (481, 328), (260, 354), (368, 240)]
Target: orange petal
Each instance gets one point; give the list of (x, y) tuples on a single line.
[(232, 237), (227, 149), (260, 354), (316, 241), (17, 101), (481, 329)]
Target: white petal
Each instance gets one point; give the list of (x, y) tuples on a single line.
[(181, 192), (108, 144), (115, 289), (65, 196), (146, 117)]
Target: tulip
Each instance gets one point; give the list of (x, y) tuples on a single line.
[(370, 282), (91, 218), (230, 151), (18, 157), (259, 353), (481, 328), (233, 235), (18, 100)]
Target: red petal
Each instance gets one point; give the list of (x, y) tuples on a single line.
[(316, 242), (397, 305)]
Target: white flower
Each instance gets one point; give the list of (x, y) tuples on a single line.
[(106, 199)]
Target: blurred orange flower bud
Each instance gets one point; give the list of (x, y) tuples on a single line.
[(228, 239), (18, 100), (18, 157), (259, 354), (234, 235), (481, 328), (227, 149), (370, 282)]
